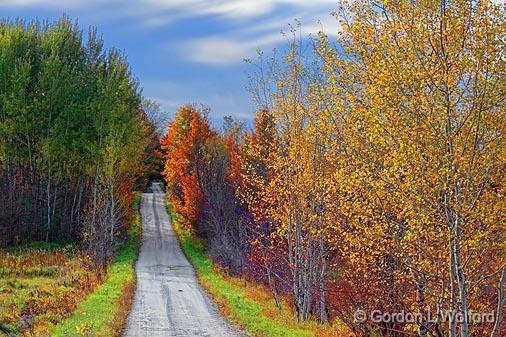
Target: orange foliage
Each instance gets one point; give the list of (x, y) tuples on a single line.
[(182, 146)]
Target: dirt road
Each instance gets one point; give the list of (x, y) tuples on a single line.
[(168, 300)]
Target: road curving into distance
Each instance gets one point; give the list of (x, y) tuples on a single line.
[(168, 300)]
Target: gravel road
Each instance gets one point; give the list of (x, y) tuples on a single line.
[(168, 299)]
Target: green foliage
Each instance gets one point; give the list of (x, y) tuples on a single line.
[(71, 127)]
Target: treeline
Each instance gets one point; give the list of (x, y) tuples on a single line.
[(198, 161), (73, 136), (374, 177)]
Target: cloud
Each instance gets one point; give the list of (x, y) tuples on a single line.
[(238, 9), (220, 51), (238, 28), (167, 104), (215, 50), (157, 12), (231, 48), (256, 28), (60, 4), (161, 12), (229, 9)]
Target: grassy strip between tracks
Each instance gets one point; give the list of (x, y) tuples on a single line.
[(245, 303), (104, 312)]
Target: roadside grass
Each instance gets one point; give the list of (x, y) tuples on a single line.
[(245, 303), (104, 312)]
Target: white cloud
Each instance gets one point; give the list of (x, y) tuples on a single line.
[(239, 9), (59, 4), (167, 9), (232, 48), (255, 25), (244, 26), (230, 9), (217, 50), (167, 104)]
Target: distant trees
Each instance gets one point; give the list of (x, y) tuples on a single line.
[(155, 121), (183, 146), (374, 176), (73, 135), (197, 171)]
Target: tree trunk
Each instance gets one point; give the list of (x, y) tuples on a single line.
[(464, 326), (501, 302), (452, 326)]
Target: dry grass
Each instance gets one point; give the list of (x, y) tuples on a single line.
[(123, 305), (40, 286), (104, 312), (52, 290), (283, 316)]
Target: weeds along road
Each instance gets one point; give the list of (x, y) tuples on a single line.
[(168, 299)]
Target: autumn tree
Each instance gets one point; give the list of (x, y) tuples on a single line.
[(420, 177), (250, 174), (389, 153), (292, 191), (183, 147), (199, 187)]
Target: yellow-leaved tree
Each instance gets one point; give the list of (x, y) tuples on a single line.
[(386, 186), (420, 89)]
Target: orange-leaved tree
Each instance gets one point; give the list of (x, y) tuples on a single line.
[(183, 148)]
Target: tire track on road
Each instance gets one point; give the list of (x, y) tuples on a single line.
[(168, 299)]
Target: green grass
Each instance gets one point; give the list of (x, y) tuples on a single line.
[(95, 316), (241, 309)]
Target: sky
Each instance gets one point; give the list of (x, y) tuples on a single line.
[(189, 51)]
